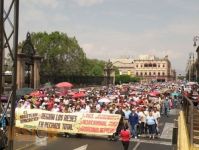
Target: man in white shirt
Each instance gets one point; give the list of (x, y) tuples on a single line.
[(55, 108), (105, 110), (156, 115), (127, 112)]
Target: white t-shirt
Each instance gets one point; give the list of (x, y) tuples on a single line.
[(156, 115), (142, 116), (105, 112)]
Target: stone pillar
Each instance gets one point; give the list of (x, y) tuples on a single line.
[(113, 76), (36, 71), (20, 70)]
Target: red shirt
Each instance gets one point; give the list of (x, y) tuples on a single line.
[(50, 105), (125, 135)]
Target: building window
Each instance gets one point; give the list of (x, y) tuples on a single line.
[(141, 74), (136, 66), (158, 65), (141, 66), (145, 65), (154, 73), (163, 73), (158, 73), (145, 73), (150, 65), (149, 73), (136, 73), (154, 65), (163, 65)]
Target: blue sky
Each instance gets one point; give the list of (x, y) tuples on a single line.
[(118, 28)]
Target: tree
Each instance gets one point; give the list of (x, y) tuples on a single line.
[(94, 67), (119, 79), (62, 55)]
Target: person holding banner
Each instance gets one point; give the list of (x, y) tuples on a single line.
[(121, 124), (125, 136)]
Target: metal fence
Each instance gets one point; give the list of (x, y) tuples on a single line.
[(187, 107), (78, 80)]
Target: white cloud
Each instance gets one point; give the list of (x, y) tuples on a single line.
[(88, 3), (45, 3)]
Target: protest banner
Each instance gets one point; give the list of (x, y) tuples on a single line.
[(100, 124), (81, 123), (46, 120)]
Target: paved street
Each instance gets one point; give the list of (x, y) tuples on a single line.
[(99, 143)]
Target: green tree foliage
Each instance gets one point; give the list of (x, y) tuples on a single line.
[(119, 79), (94, 67), (61, 54)]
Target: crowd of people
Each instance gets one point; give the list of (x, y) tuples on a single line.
[(140, 105)]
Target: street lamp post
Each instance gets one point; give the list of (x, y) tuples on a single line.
[(108, 70), (29, 51), (195, 39)]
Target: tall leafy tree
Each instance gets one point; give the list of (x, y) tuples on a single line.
[(61, 54)]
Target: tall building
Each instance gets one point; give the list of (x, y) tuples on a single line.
[(125, 66), (148, 68)]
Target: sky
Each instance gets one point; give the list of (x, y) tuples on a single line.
[(118, 28)]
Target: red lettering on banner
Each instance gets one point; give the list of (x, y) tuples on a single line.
[(88, 115), (107, 130), (94, 122), (96, 130), (113, 124), (106, 117), (89, 129)]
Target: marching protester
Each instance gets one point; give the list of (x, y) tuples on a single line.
[(133, 120), (121, 124), (156, 115), (151, 122), (142, 122), (125, 136), (166, 106), (139, 105)]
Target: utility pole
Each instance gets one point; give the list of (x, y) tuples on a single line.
[(195, 39), (193, 65), (14, 75), (2, 136), (9, 42), (189, 67)]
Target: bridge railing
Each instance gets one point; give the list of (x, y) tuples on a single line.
[(187, 108)]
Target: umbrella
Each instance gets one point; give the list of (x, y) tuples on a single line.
[(64, 84), (104, 100), (37, 94), (78, 95), (175, 94), (154, 93)]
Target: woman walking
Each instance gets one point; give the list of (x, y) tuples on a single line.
[(151, 122), (125, 136)]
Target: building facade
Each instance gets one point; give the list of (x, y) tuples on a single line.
[(125, 66), (148, 68)]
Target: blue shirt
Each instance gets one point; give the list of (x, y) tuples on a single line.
[(150, 120), (133, 119)]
